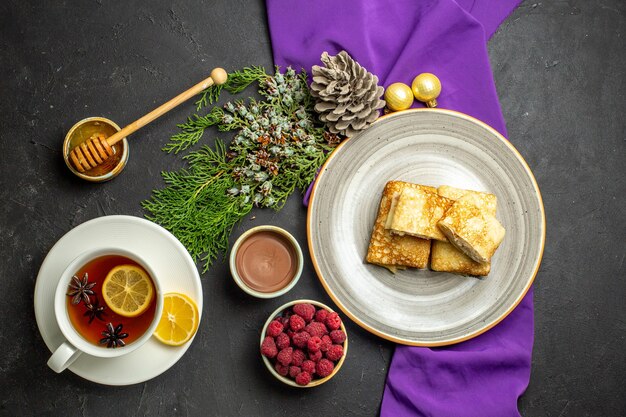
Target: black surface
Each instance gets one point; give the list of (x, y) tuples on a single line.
[(559, 68)]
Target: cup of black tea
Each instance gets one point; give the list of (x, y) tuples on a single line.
[(108, 303)]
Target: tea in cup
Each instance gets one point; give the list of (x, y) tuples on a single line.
[(108, 303)]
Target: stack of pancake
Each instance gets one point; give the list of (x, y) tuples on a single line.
[(455, 229)]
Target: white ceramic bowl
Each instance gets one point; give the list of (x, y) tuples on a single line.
[(233, 261), (291, 382)]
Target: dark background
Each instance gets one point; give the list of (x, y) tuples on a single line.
[(559, 69)]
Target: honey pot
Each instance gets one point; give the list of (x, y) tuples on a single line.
[(85, 129)]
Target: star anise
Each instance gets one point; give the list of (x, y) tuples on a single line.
[(95, 311), (80, 290), (113, 336)]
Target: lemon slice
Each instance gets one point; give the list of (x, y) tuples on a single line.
[(179, 320), (127, 290)]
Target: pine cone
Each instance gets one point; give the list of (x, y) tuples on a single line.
[(348, 97)]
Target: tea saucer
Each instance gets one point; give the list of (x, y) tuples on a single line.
[(169, 260)]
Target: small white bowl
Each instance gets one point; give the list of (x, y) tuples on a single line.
[(291, 382), (233, 261)]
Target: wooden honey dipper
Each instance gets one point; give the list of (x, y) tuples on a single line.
[(97, 148)]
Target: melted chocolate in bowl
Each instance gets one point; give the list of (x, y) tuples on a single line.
[(266, 261)]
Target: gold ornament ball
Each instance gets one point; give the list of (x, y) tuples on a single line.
[(426, 87), (398, 96)]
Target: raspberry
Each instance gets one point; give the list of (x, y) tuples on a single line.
[(300, 339), (335, 352), (275, 328), (314, 344), (308, 366), (315, 356), (326, 343), (337, 336), (306, 311), (284, 321), (268, 347), (324, 368), (281, 369), (296, 323), (285, 356), (298, 357), (303, 378), (333, 321), (294, 371), (321, 315), (282, 341), (316, 329)]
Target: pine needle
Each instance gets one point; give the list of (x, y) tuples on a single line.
[(192, 131), (277, 148), (237, 82)]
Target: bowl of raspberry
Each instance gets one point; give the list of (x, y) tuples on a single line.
[(304, 343)]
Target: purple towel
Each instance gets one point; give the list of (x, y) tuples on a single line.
[(396, 40)]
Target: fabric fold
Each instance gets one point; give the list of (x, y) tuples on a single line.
[(397, 40)]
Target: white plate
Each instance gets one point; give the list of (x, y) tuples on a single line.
[(165, 254), (431, 147)]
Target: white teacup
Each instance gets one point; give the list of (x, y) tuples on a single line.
[(75, 344)]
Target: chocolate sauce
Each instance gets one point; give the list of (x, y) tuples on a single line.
[(266, 261)]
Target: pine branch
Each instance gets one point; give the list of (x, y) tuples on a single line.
[(209, 96), (192, 131), (277, 149), (237, 82), (195, 206), (240, 80)]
